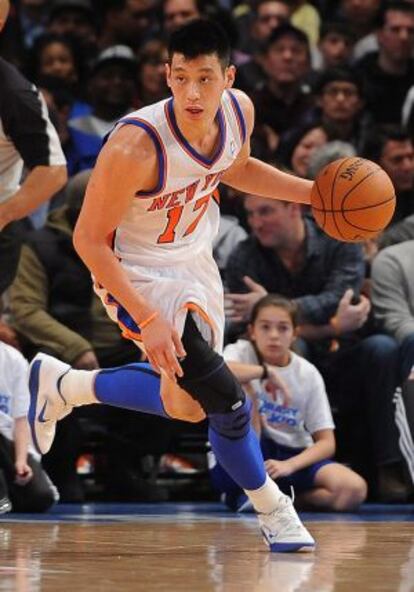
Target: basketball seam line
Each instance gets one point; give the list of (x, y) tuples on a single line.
[(343, 210)]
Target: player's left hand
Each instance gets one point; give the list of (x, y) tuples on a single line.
[(24, 473), (279, 468), (238, 307)]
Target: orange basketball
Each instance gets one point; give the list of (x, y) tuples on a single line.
[(352, 199)]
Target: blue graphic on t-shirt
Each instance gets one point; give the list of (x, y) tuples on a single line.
[(276, 413), (5, 404)]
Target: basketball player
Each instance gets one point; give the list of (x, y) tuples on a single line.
[(145, 231)]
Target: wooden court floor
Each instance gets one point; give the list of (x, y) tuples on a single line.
[(199, 551)]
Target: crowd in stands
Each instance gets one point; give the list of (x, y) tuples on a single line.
[(329, 79)]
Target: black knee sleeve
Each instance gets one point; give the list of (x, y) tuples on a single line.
[(206, 376)]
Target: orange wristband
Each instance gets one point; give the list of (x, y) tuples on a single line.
[(335, 325), (149, 320)]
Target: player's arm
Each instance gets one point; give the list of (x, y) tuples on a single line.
[(255, 177), (39, 186), (26, 123), (126, 164)]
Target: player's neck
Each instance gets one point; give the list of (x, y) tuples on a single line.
[(203, 136)]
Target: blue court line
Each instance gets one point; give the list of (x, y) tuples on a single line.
[(112, 512)]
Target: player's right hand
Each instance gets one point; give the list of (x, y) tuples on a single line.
[(163, 347)]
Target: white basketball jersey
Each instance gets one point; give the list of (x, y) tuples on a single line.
[(179, 218)]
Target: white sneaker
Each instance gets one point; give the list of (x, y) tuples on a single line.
[(283, 530), (47, 405)]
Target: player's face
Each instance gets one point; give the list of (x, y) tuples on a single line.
[(197, 86), (273, 334)]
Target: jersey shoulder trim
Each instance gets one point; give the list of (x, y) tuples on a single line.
[(161, 153), (239, 116)]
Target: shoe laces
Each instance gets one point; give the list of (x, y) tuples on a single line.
[(285, 516)]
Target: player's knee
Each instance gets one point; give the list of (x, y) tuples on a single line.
[(234, 424), (206, 376)]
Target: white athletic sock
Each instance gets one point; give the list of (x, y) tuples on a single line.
[(78, 387), (265, 499)]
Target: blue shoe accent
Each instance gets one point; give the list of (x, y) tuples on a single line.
[(34, 389), (290, 547)]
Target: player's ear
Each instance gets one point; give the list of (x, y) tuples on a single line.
[(230, 76)]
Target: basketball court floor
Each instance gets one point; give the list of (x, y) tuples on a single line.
[(201, 548)]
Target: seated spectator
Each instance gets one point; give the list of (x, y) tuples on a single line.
[(285, 101), (327, 153), (24, 485), (111, 91), (297, 437), (56, 63), (288, 254), (393, 149), (152, 86), (256, 26), (75, 18), (335, 45), (393, 303), (128, 22), (297, 148), (389, 72), (176, 13), (340, 107), (306, 18)]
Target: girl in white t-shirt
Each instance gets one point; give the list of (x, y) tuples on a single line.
[(24, 485), (297, 434)]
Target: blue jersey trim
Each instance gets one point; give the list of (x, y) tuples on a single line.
[(207, 162), (240, 116), (147, 127)]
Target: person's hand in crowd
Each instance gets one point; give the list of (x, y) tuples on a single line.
[(275, 385), (350, 317), (8, 335), (86, 361), (24, 473), (238, 307), (279, 468), (163, 346)]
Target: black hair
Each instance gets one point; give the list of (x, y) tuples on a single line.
[(255, 5), (200, 37), (291, 140), (287, 30), (275, 300), (43, 41), (337, 27), (379, 137), (342, 74), (399, 6)]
